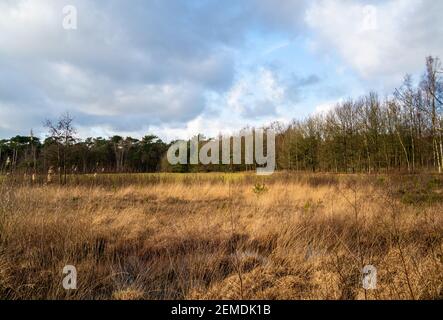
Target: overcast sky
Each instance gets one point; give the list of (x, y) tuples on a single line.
[(176, 68)]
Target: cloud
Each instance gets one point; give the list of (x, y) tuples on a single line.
[(171, 65), (156, 60), (256, 94), (381, 40), (288, 15), (324, 108)]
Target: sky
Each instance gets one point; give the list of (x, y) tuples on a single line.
[(176, 68)]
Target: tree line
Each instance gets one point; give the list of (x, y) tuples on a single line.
[(401, 132), (61, 153)]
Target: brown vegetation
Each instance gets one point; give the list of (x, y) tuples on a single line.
[(224, 236)]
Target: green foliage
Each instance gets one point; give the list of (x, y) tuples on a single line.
[(421, 190), (259, 189)]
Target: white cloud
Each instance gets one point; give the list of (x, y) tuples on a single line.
[(256, 94), (403, 33), (153, 64), (325, 107), (126, 66)]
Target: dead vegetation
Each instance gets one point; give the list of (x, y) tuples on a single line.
[(224, 237)]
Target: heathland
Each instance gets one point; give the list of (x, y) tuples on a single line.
[(222, 236)]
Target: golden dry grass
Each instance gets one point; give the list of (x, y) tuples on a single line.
[(218, 239)]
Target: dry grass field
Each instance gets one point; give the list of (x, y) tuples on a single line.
[(223, 236)]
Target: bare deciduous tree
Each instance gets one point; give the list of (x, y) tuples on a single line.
[(63, 134)]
